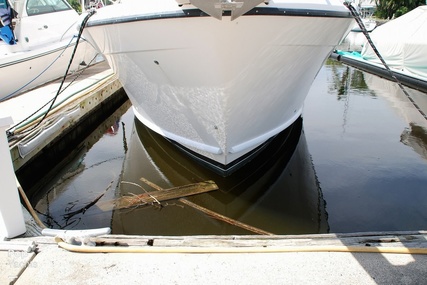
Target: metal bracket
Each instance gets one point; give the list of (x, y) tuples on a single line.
[(215, 8)]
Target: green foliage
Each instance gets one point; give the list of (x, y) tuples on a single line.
[(75, 4), (388, 9)]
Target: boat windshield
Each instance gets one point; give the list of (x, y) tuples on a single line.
[(37, 7)]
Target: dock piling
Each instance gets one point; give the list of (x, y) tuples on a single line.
[(12, 222)]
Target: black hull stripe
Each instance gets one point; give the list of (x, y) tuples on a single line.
[(190, 13)]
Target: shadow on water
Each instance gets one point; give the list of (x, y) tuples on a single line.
[(277, 192)]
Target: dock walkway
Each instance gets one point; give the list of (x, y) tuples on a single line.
[(81, 95), (25, 104), (311, 259)]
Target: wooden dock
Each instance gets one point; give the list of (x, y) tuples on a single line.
[(302, 259), (77, 111)]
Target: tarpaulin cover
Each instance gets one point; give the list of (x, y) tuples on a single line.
[(402, 42)]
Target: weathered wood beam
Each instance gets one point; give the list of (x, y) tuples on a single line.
[(212, 213), (158, 196)]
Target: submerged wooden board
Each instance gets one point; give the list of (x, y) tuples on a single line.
[(212, 213), (158, 196)]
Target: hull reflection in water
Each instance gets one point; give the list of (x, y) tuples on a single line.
[(277, 192), (415, 134)]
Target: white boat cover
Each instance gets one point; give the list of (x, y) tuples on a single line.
[(402, 43)]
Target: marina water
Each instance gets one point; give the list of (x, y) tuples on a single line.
[(355, 162)]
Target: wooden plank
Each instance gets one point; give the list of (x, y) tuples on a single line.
[(159, 196), (408, 239), (211, 213), (223, 218), (395, 240)]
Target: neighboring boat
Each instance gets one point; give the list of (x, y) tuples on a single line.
[(355, 40), (369, 25), (37, 40), (402, 43), (219, 78)]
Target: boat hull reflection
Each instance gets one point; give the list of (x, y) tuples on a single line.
[(277, 191), (411, 107)]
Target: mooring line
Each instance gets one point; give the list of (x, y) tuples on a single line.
[(11, 133), (356, 16)]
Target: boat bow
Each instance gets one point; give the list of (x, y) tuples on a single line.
[(219, 89)]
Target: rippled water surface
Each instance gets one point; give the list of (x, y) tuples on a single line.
[(356, 162)]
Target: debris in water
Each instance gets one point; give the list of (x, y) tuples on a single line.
[(155, 197)]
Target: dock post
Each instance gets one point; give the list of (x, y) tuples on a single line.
[(12, 222)]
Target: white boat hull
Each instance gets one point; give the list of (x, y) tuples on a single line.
[(26, 70), (44, 44), (220, 88)]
